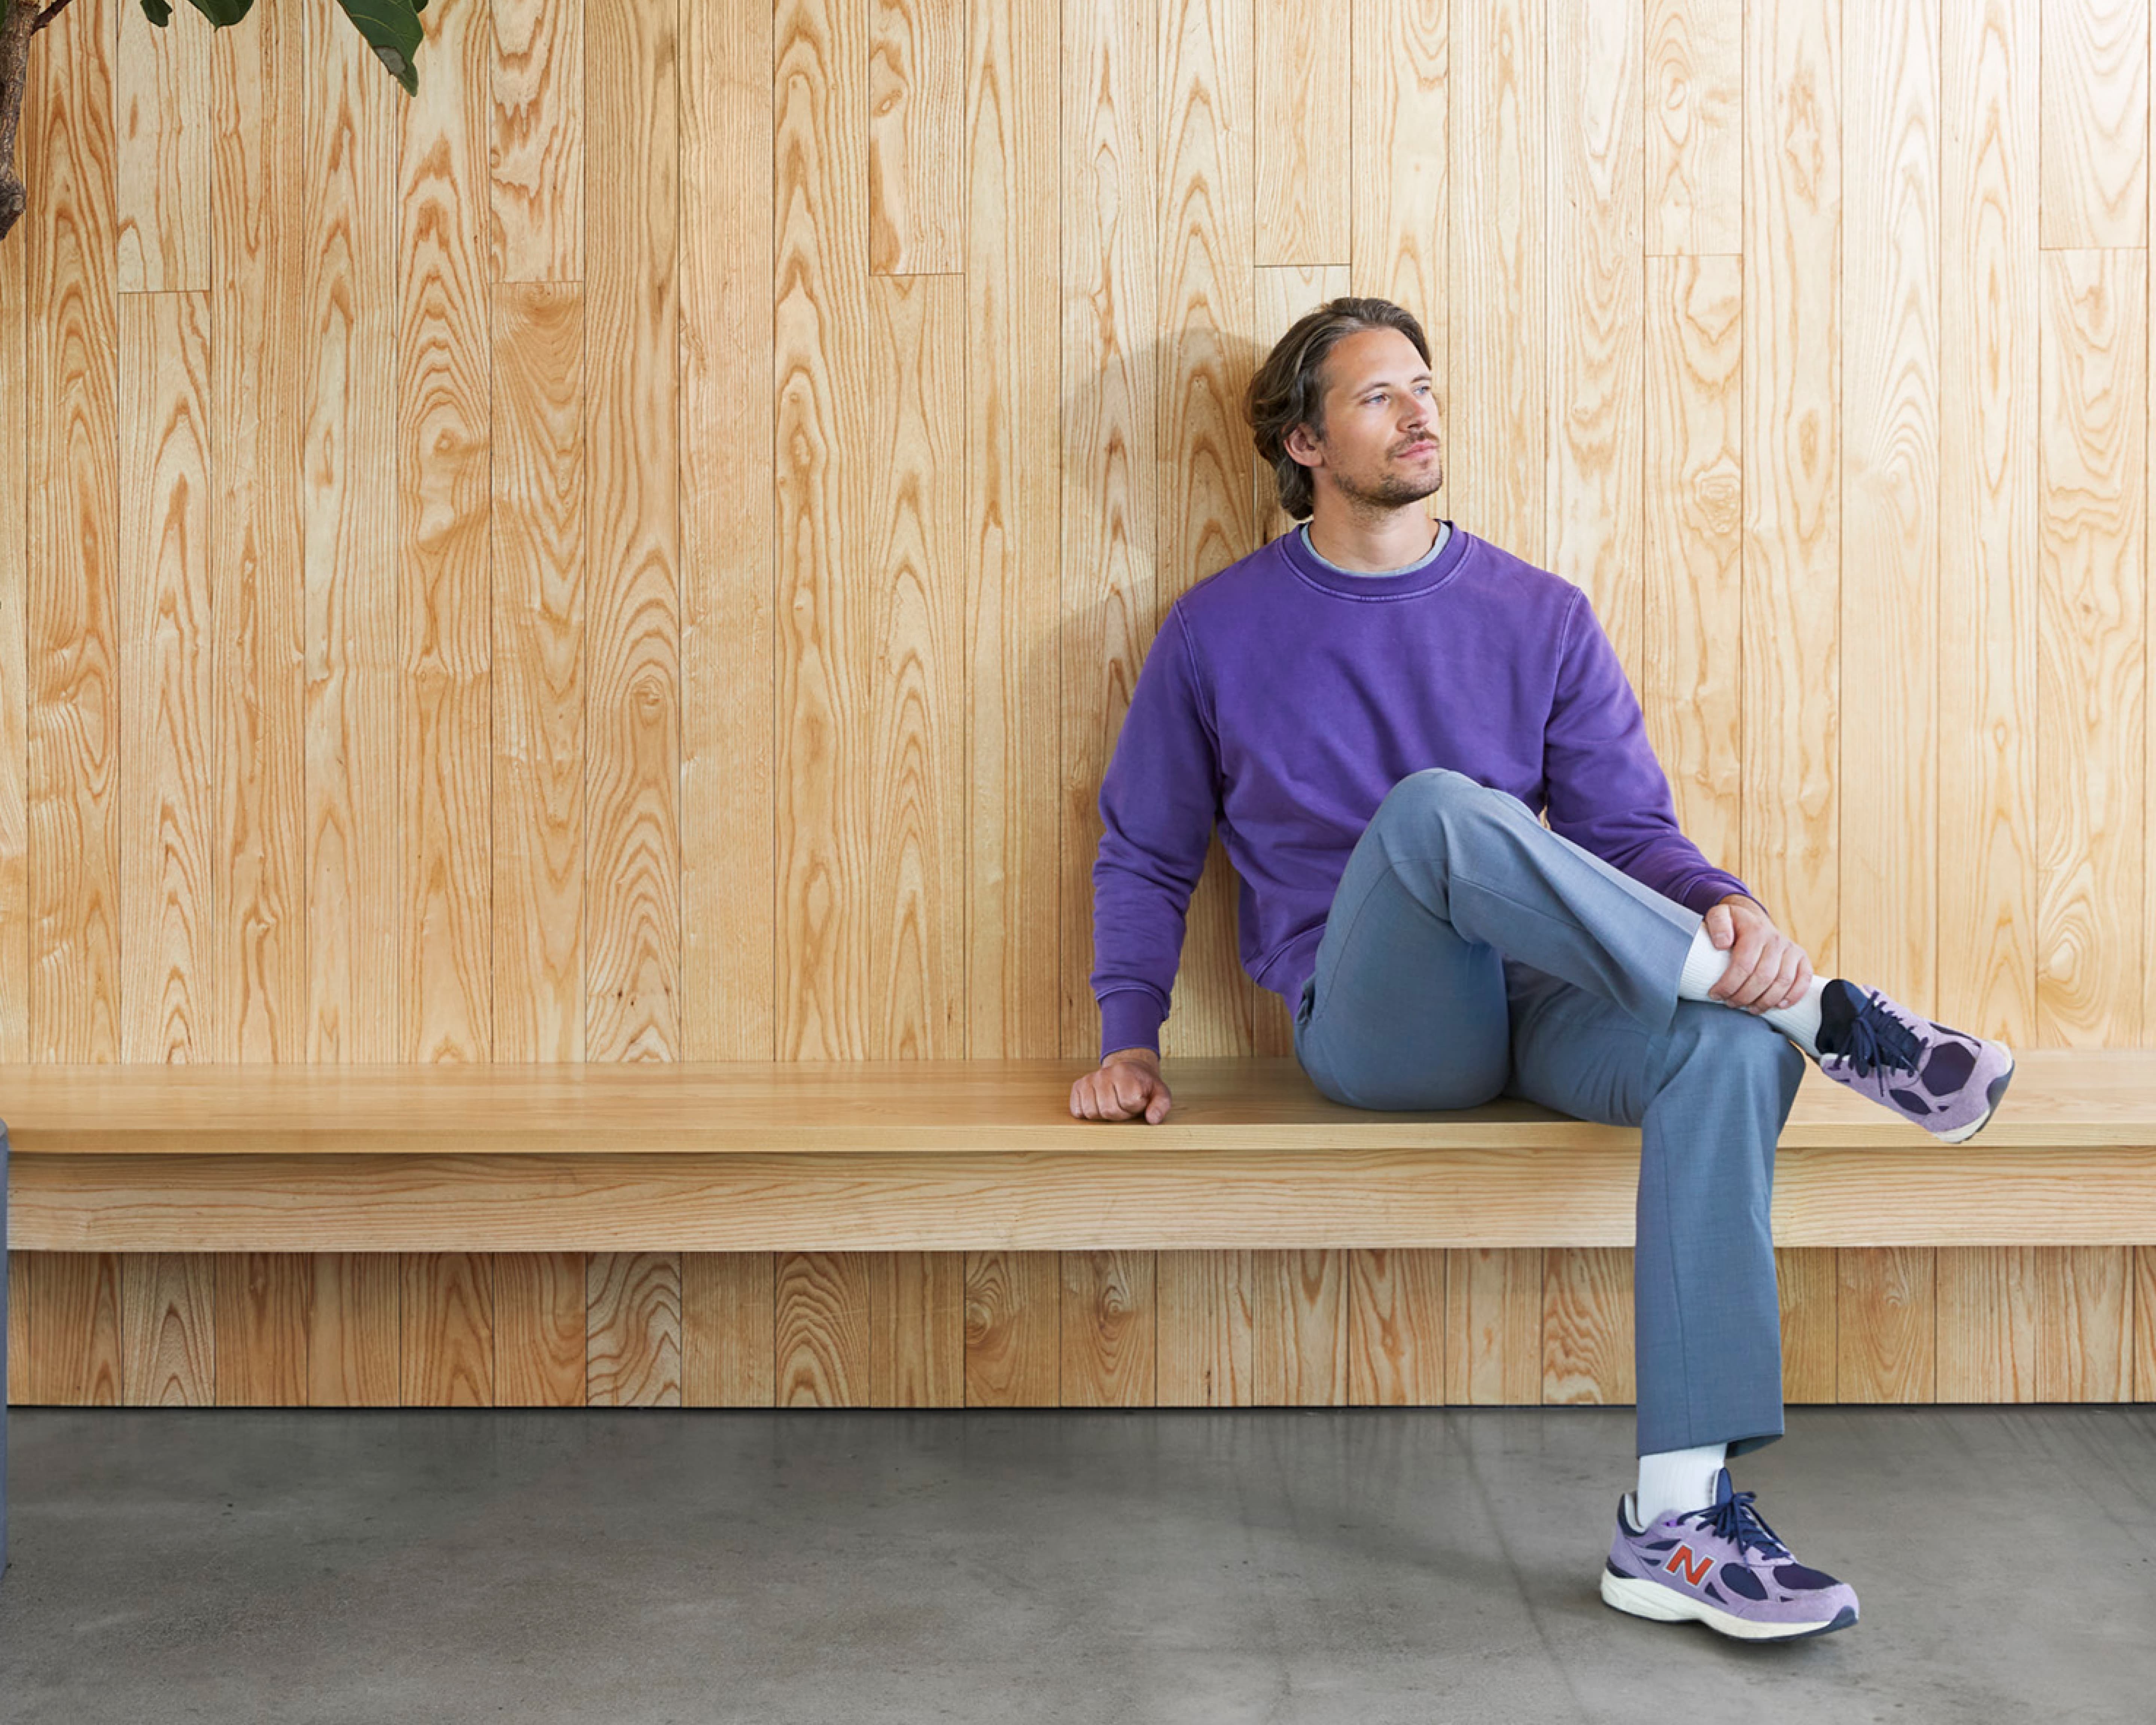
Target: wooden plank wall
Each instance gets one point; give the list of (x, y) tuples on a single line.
[(1336, 1328), (642, 553)]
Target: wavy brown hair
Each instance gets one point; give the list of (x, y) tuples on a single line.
[(1288, 390)]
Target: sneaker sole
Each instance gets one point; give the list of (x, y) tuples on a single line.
[(1962, 1134), (1652, 1599)]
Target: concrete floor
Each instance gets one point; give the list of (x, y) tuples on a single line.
[(1365, 1565)]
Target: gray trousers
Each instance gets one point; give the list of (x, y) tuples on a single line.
[(1469, 953)]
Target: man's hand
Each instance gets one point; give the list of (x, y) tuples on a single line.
[(1767, 969), (1128, 1083)]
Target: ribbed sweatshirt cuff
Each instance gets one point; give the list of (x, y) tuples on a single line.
[(1130, 1017)]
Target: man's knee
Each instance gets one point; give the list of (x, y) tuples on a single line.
[(1433, 790), (1734, 1047)]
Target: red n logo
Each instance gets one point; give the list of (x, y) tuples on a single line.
[(1696, 1569)]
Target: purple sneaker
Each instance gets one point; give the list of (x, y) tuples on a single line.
[(1723, 1567), (1947, 1081)]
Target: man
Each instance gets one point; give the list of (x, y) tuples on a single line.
[(1372, 709)]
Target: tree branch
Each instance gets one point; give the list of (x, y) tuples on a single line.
[(47, 15)]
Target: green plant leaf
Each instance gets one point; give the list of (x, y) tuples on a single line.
[(158, 12), (393, 30), (219, 12)]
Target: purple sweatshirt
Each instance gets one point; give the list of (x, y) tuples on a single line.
[(1283, 698)]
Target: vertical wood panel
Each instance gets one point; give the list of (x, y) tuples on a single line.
[(1807, 1286), (537, 557), (168, 1329), (632, 1339), (261, 246), (265, 1311), (1595, 501), (1885, 1322), (2085, 1347), (916, 757), (1989, 1323), (1890, 497), (1693, 612), (729, 1324), (161, 139), (917, 1329), (728, 552), (1204, 1337), (348, 506), (1299, 1328), (355, 1331), (1793, 260), (632, 737), (1694, 140), (17, 320), (2144, 1323), (1985, 930), (1587, 1353), (1304, 189), (447, 1330), (2092, 451), (443, 486), (2095, 111), (22, 1366), (1110, 439), (916, 96), (536, 167), (1498, 456), (75, 1337), (1013, 528), (1107, 1329), (167, 896), (1493, 1326), (71, 605), (1014, 1330), (821, 1349), (542, 1329), (1396, 1328)]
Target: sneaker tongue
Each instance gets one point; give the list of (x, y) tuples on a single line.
[(1723, 1490)]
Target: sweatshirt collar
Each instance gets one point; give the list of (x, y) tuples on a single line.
[(1415, 579)]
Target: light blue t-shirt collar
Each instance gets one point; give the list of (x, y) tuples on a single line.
[(1437, 545)]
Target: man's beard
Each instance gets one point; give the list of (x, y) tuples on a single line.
[(1393, 491)]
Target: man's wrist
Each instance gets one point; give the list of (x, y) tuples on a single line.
[(1149, 1055)]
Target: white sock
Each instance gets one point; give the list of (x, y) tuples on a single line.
[(1676, 1478), (1703, 967)]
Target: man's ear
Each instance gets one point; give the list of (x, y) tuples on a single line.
[(1302, 446)]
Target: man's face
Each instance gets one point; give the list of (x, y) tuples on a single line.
[(1380, 446)]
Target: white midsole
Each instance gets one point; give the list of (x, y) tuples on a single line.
[(1651, 1599)]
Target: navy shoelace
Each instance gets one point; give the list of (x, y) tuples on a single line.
[(1735, 1520), (1876, 1039)]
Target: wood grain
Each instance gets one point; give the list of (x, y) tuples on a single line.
[(821, 1350), (1107, 1329), (916, 102), (1302, 61), (2091, 664), (1890, 498), (71, 617), (446, 1330), (22, 1367), (1493, 1326), (258, 397), (168, 1329), (536, 555), (1396, 1329), (729, 1326), (1792, 538), (1807, 1287), (536, 154), (542, 1327), (2085, 1351), (1885, 1325), (1204, 1337), (1991, 1323), (917, 1329), (2095, 115), (75, 1336), (167, 806), (1985, 937), (355, 1342), (632, 595), (265, 1316), (1299, 1328), (348, 269), (1595, 486), (1014, 1330), (633, 1346), (1693, 141), (1692, 463), (1587, 1347), (2144, 1323), (17, 317), (161, 137), (729, 553), (1013, 526)]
